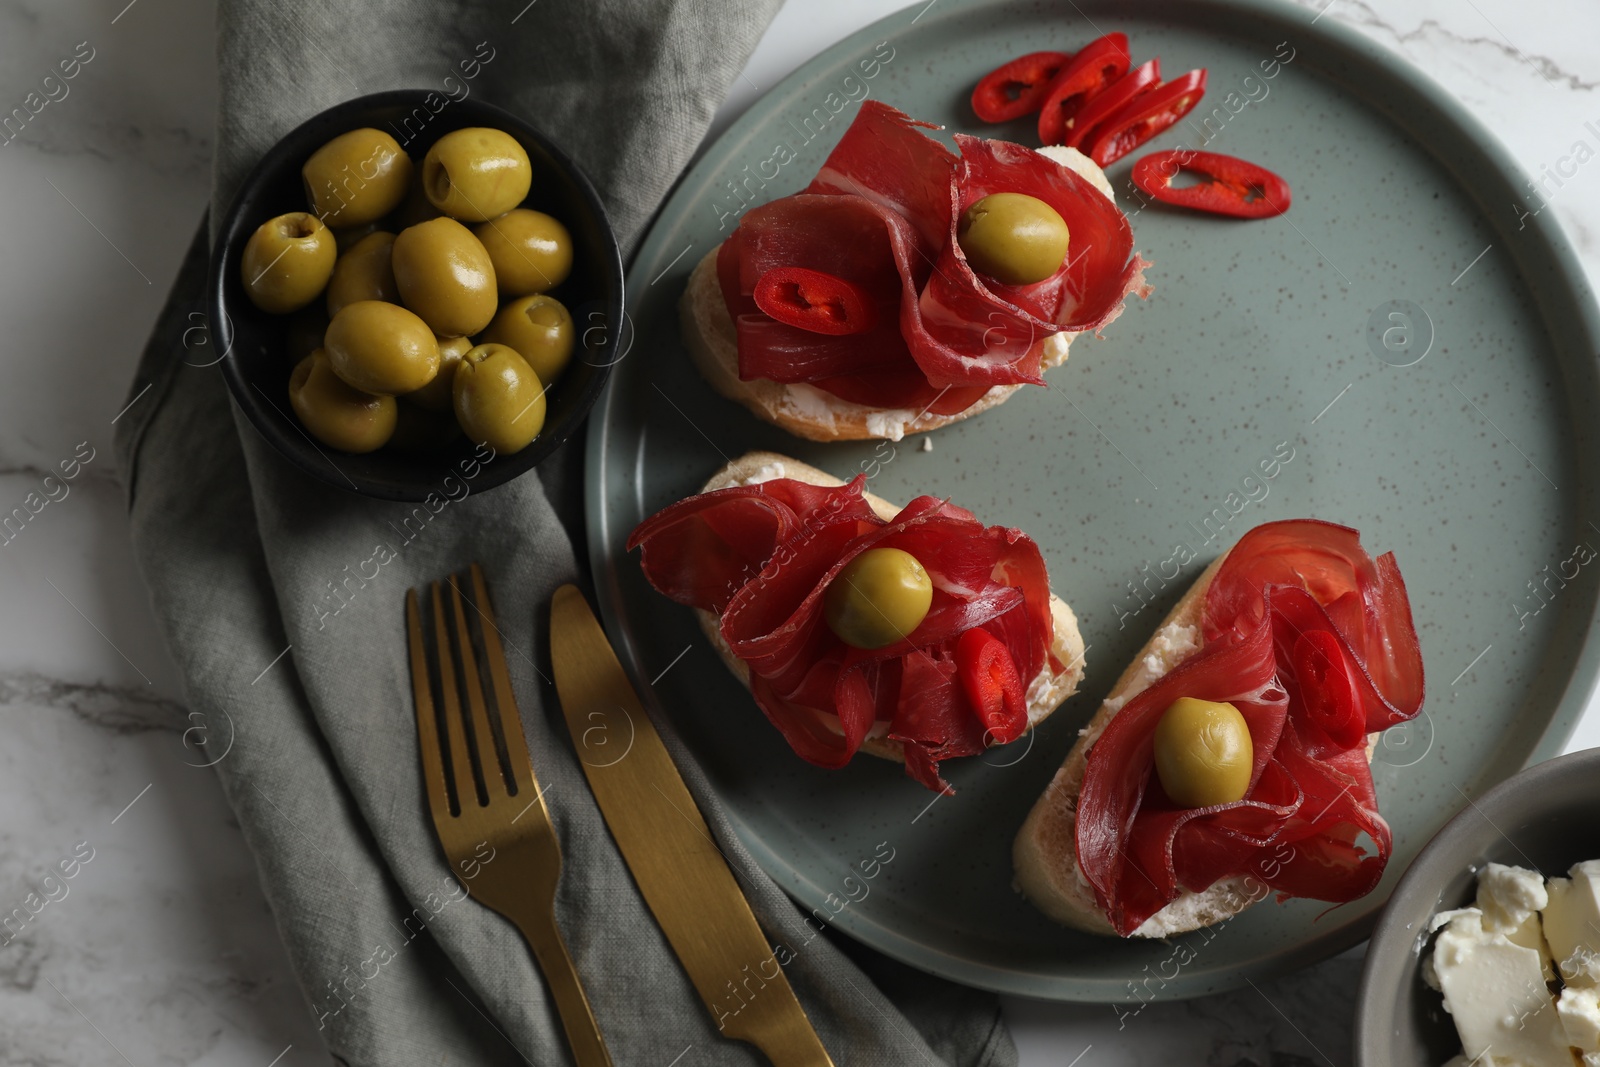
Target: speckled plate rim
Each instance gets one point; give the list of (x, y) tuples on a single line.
[(1415, 93)]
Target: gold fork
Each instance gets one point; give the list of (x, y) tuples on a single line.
[(483, 793)]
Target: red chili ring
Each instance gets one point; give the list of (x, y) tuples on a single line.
[(1101, 62), (1135, 83), (1330, 701), (1236, 188), (1145, 116), (989, 678), (814, 300), (1017, 88)]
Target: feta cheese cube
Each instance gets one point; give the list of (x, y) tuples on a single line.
[(1579, 1010), (1572, 923), (1512, 890), (1495, 991), (1510, 899)]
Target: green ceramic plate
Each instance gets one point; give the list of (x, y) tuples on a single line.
[(1407, 352)]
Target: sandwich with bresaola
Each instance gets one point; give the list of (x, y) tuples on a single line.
[(1230, 760)]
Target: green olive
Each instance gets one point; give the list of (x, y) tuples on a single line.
[(381, 348), (364, 273), (439, 394), (419, 432), (334, 413), (531, 252), (541, 331), (499, 400), (356, 178), (445, 276), (287, 262), (476, 173), (1014, 238), (1203, 752), (879, 598), (306, 330)]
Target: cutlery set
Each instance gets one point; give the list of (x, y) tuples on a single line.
[(481, 787)]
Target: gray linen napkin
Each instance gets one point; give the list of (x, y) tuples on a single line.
[(243, 554)]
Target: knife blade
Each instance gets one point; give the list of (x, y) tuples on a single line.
[(662, 836)]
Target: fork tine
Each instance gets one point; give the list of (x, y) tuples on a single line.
[(427, 725), (460, 761), (505, 700), (494, 778)]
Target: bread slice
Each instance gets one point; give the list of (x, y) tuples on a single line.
[(803, 409), (1046, 692), (1045, 852)]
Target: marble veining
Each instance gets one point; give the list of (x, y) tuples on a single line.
[(1431, 32), (117, 709), (160, 949)]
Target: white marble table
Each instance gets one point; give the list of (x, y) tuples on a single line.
[(162, 950)]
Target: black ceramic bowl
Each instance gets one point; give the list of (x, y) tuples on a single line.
[(257, 367), (1548, 818)]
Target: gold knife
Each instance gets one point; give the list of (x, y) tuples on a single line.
[(679, 869)]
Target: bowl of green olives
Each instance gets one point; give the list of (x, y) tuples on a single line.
[(399, 292)]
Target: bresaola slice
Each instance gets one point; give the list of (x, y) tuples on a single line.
[(703, 550), (843, 236), (1363, 602), (761, 557), (1312, 640), (1121, 804), (862, 241), (882, 213), (883, 157), (1086, 294)]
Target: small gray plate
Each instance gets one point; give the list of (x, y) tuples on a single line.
[(1546, 819), (1410, 350)]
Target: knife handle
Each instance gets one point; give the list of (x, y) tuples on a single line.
[(657, 825), (577, 1018)]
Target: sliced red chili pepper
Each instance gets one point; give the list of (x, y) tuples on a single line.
[(1325, 686), (814, 300), (1145, 116), (989, 678), (1017, 88), (1235, 187), (1102, 61), (1139, 80)]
